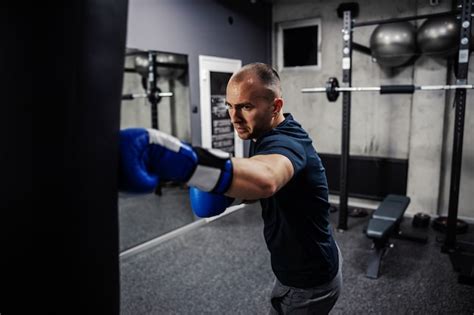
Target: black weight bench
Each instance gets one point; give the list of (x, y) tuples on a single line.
[(384, 224)]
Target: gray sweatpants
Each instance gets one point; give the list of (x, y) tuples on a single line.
[(316, 300)]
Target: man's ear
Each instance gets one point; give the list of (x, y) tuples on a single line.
[(278, 104)]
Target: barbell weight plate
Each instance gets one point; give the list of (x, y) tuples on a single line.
[(331, 89)]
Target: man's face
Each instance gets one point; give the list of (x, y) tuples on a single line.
[(250, 107)]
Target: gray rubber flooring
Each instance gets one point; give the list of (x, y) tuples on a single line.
[(223, 267)]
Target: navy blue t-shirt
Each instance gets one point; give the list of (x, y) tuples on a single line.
[(296, 218)]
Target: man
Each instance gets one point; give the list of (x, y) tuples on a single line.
[(286, 174), (283, 171)]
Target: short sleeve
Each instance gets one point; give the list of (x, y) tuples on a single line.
[(286, 146)]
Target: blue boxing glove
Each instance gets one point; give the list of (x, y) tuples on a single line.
[(206, 204), (148, 155)]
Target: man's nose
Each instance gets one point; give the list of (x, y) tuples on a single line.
[(235, 115)]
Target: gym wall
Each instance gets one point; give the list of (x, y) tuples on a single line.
[(228, 29), (417, 127)]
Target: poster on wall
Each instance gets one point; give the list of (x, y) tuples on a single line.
[(222, 130)]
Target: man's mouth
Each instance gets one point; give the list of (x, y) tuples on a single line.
[(240, 128)]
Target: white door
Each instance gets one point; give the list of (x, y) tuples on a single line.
[(216, 129)]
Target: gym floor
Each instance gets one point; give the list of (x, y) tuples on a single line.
[(223, 267)]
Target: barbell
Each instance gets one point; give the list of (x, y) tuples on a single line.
[(144, 95), (332, 88)]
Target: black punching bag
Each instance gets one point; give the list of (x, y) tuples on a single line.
[(61, 251), (87, 52)]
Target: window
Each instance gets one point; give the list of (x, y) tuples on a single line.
[(299, 44)]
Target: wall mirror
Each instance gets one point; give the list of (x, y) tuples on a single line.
[(155, 94)]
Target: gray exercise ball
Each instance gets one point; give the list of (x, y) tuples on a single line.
[(439, 36), (393, 44)]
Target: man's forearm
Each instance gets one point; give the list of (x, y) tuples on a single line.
[(259, 177)]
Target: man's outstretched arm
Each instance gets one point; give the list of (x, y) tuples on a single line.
[(260, 176), (148, 156)]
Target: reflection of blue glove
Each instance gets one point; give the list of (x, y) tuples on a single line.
[(206, 204), (147, 154)]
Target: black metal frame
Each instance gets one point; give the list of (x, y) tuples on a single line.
[(464, 9), (460, 105), (461, 253), (346, 118), (403, 19), (152, 88)]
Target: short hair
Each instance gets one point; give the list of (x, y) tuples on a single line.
[(266, 73)]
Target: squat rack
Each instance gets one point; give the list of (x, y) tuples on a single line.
[(461, 253), (348, 10), (150, 82)]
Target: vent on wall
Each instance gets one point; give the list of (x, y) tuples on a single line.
[(369, 177)]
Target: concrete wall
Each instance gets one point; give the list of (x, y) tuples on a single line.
[(416, 127), (201, 27)]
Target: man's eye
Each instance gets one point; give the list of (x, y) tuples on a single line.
[(246, 107)]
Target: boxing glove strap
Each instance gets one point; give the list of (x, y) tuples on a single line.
[(213, 172), (163, 139)]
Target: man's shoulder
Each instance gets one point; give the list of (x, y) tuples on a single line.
[(275, 136), (291, 123), (280, 142)]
